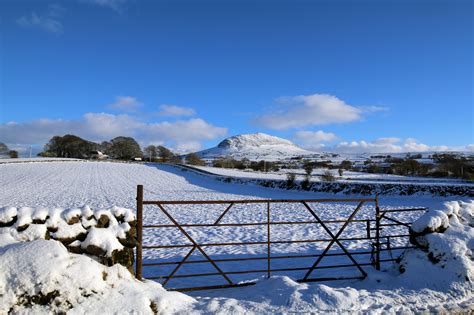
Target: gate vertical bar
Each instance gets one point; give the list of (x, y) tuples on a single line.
[(377, 233), (268, 240), (138, 264)]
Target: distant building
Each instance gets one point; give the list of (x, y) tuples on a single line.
[(98, 155)]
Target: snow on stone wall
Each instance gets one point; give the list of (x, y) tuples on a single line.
[(109, 235), (42, 277), (446, 238)]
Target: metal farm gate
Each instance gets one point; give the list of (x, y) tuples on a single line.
[(373, 231)]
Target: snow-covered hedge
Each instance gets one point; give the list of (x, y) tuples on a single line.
[(109, 235), (446, 238), (359, 188), (347, 188)]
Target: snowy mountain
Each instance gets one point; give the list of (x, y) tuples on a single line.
[(257, 146)]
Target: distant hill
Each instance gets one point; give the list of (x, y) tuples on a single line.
[(258, 146)]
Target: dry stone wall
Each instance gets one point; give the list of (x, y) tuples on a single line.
[(107, 235)]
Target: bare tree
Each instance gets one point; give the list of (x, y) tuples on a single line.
[(151, 152), (165, 154), (194, 159), (327, 176)]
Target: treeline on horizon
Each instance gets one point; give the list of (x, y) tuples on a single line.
[(4, 150), (127, 148), (121, 148)]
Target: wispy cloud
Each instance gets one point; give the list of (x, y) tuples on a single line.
[(389, 145), (374, 109), (182, 135), (310, 110), (173, 110), (127, 104), (48, 22), (116, 5)]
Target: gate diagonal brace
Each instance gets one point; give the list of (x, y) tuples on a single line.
[(224, 213), (178, 266), (383, 216), (195, 243), (334, 240)]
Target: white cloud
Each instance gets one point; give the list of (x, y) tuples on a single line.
[(411, 144), (388, 145), (386, 141), (470, 147), (103, 126), (309, 110), (116, 5), (313, 139), (183, 135), (173, 110), (49, 22), (125, 104), (316, 140)]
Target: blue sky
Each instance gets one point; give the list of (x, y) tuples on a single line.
[(329, 75)]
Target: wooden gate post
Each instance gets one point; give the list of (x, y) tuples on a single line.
[(138, 264), (377, 233)]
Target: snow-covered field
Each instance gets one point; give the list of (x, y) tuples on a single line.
[(105, 184)]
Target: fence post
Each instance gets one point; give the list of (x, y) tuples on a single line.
[(268, 240), (377, 232), (138, 264)]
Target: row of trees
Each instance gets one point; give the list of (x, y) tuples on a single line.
[(71, 146), (445, 165), (160, 154), (68, 146), (5, 151), (122, 148)]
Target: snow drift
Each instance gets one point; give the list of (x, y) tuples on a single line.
[(446, 239), (109, 235), (41, 276)]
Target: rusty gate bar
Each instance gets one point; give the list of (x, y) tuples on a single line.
[(268, 240), (377, 233), (138, 263), (244, 201), (195, 244), (252, 223), (196, 261), (265, 242), (334, 239)]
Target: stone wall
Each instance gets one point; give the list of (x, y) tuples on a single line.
[(107, 235)]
